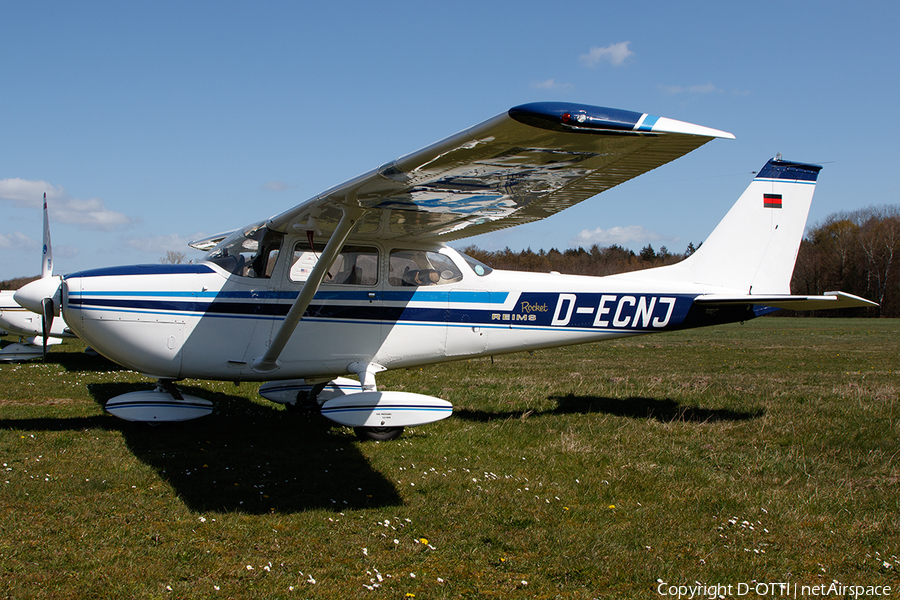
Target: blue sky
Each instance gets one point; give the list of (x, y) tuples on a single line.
[(150, 124)]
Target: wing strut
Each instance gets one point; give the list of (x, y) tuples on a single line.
[(268, 362)]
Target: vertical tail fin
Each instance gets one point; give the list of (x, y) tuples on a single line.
[(754, 248)]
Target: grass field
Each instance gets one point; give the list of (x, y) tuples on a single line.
[(763, 452)]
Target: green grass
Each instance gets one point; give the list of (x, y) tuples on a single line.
[(768, 451)]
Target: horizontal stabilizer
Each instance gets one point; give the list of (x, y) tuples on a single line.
[(827, 301)]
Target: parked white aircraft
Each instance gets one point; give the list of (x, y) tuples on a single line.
[(359, 279), (33, 338)]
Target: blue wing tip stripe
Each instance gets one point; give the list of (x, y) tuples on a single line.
[(646, 123)]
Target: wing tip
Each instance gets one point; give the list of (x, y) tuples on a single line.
[(585, 118), (666, 125)]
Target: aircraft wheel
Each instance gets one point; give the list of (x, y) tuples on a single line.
[(306, 403), (378, 434)]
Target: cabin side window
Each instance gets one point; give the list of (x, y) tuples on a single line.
[(421, 268), (479, 267), (354, 265)]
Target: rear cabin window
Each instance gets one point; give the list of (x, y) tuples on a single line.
[(355, 265)]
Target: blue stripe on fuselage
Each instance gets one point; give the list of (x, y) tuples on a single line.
[(543, 310)]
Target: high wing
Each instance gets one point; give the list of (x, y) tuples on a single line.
[(520, 166)]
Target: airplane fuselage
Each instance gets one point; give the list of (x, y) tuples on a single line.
[(203, 321), (22, 322)]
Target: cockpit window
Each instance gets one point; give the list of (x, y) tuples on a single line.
[(250, 252), (479, 267), (355, 265), (422, 268)]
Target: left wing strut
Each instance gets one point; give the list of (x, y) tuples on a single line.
[(268, 362)]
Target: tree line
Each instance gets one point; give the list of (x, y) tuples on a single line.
[(597, 261), (856, 252)]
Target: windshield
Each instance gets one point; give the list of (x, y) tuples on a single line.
[(249, 252)]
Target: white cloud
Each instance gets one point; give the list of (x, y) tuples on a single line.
[(615, 54), (706, 88), (160, 244), (18, 241), (278, 186), (28, 194), (86, 214), (551, 84), (622, 236)]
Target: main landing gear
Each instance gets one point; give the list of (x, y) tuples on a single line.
[(307, 401), (378, 434), (373, 415)]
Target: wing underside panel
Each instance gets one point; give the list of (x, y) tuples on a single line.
[(518, 167)]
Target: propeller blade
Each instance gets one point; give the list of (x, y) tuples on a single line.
[(47, 258), (47, 321)]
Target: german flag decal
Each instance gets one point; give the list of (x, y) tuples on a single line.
[(771, 200)]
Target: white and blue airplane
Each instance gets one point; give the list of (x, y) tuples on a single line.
[(359, 279), (33, 336)]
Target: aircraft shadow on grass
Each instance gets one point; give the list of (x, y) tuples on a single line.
[(77, 361), (244, 457), (81, 361), (662, 410)]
